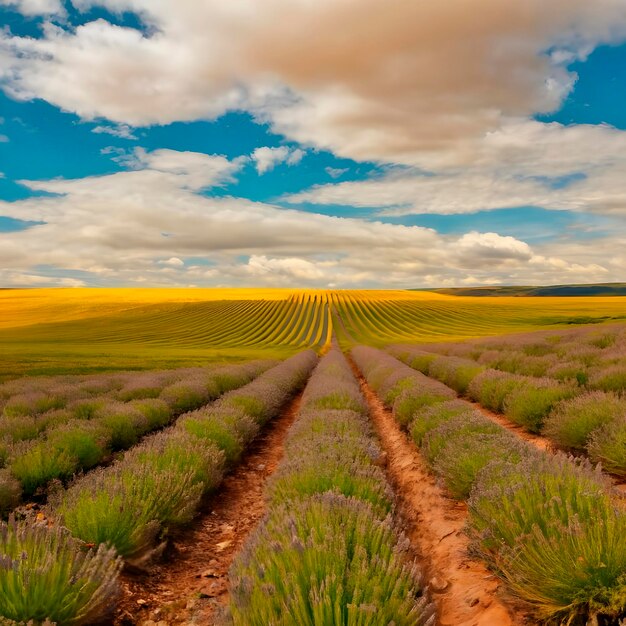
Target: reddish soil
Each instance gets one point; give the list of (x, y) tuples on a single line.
[(542, 443), (190, 585), (465, 592)]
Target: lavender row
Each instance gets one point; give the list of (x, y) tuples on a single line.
[(548, 525), (593, 357), (125, 510), (58, 443), (575, 420), (328, 551)]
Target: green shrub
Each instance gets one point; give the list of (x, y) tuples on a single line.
[(5, 451), (420, 362), (230, 431), (328, 561), (329, 464), (608, 378), (180, 452), (432, 416), (491, 387), (87, 408), (529, 403), (455, 372), (156, 412), (114, 507), (85, 442), (550, 529), (185, 396), (37, 465), (572, 421), (32, 404), (407, 405), (465, 454), (463, 425), (46, 574), (608, 446), (124, 423), (19, 428), (339, 402), (247, 404)]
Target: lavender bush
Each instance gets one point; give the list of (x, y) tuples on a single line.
[(550, 529), (326, 553), (45, 574), (572, 421)]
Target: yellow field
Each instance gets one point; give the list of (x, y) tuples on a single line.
[(58, 330)]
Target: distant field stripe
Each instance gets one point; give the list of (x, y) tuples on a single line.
[(299, 322), (245, 335), (304, 335), (281, 329), (317, 331), (268, 327), (346, 316), (259, 324)]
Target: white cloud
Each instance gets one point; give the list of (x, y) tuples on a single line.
[(335, 172), (123, 131), (35, 7), (4, 139), (525, 163), (173, 262), (267, 158), (406, 81), (291, 268), (137, 226)]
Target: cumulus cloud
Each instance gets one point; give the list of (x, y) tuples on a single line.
[(524, 163), (139, 226), (267, 158), (173, 262), (123, 131), (404, 80), (35, 7)]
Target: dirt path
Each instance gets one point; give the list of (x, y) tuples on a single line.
[(465, 591), (541, 443), (190, 585)]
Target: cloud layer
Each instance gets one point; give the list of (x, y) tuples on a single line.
[(151, 225), (405, 80), (441, 95)]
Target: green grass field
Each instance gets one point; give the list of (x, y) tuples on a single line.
[(85, 330)]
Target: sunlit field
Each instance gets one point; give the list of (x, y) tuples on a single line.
[(271, 434), (53, 331)]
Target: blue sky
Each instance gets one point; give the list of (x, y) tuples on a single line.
[(492, 176)]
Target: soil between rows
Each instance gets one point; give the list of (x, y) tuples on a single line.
[(465, 592), (190, 584)]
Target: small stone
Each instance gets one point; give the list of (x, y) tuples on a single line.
[(474, 602), (141, 602), (261, 466), (222, 545), (439, 585), (209, 573)]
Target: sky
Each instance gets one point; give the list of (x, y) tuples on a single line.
[(312, 143)]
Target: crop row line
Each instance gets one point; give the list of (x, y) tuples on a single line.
[(548, 525), (328, 552), (573, 418), (64, 567)]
